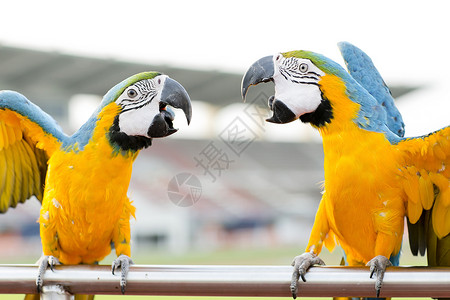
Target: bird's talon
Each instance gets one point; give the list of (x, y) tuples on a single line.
[(294, 290), (51, 267), (123, 262), (301, 264), (378, 266), (44, 262)]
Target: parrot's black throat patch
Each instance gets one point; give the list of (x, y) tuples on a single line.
[(321, 116), (127, 142)]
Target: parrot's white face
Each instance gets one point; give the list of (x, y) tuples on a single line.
[(297, 84), (140, 104), (145, 111)]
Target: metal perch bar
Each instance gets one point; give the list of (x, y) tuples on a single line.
[(243, 281)]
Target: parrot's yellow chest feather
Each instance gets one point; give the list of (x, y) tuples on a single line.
[(361, 174), (362, 194), (85, 197)]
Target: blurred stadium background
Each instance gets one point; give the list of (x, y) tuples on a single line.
[(230, 188)]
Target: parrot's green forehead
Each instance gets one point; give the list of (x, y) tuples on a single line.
[(141, 76), (118, 89), (325, 64)]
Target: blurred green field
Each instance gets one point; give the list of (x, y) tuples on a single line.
[(266, 256)]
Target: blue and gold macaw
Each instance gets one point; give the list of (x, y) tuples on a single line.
[(82, 180), (374, 177)]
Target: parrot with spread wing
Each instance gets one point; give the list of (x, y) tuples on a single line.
[(82, 180), (374, 177), (362, 69)]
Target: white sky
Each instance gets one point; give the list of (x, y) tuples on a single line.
[(407, 40)]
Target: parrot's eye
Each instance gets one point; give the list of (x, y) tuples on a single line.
[(303, 68), (132, 93)]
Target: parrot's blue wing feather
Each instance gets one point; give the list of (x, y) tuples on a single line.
[(27, 137), (10, 100), (362, 69)]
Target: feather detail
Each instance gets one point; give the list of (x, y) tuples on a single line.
[(4, 182), (427, 158), (414, 211), (35, 183), (3, 136), (23, 166), (17, 188), (440, 181), (411, 185), (25, 170), (7, 194), (441, 214), (426, 190), (330, 241)]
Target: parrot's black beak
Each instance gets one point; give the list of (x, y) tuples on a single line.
[(174, 95), (281, 113), (261, 71)]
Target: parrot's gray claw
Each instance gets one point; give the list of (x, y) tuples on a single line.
[(123, 262), (378, 266), (301, 264), (44, 262)]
